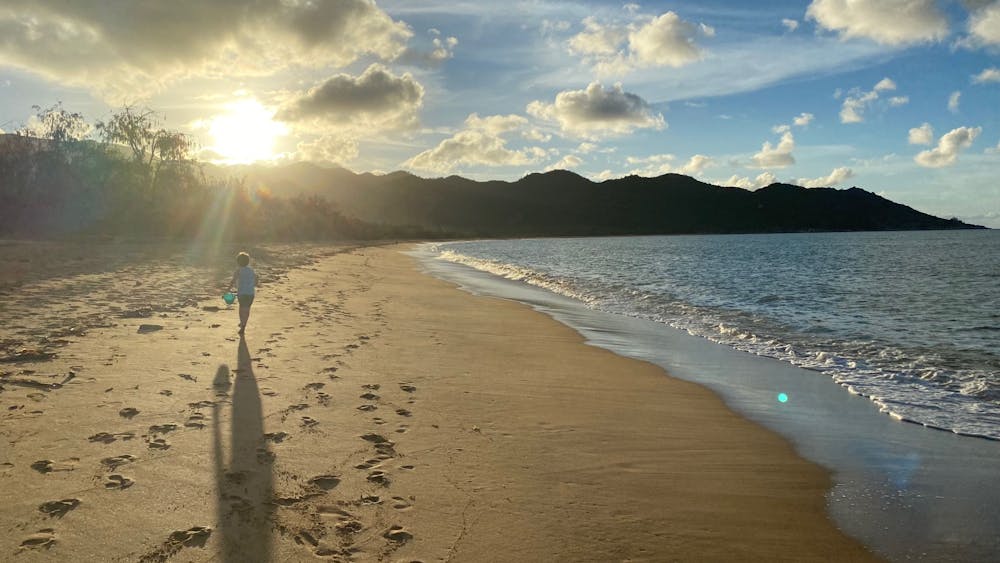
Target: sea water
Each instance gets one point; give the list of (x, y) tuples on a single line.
[(910, 320), (819, 337)]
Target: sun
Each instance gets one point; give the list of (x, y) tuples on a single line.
[(245, 133)]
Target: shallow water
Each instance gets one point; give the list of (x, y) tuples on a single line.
[(910, 320)]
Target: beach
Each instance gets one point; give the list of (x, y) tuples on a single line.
[(372, 412)]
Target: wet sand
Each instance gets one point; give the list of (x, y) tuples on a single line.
[(371, 413)]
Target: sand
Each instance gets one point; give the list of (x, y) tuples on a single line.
[(371, 413)]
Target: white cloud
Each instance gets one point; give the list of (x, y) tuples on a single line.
[(948, 147), (375, 99), (857, 103), (598, 39), (764, 179), (837, 176), (616, 48), (953, 101), (598, 111), (923, 135), (480, 143), (568, 162), (890, 22), (984, 25), (440, 50), (537, 136), (803, 119), (586, 148), (790, 24), (660, 164), (667, 40), (329, 148), (778, 156), (141, 47), (993, 150), (991, 74)]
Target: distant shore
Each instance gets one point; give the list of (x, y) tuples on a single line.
[(372, 413)]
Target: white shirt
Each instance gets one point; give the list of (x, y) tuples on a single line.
[(247, 279)]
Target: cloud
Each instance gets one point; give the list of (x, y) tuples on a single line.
[(616, 48), (889, 22), (440, 50), (923, 135), (598, 111), (803, 119), (993, 150), (375, 99), (991, 74), (480, 143), (140, 47), (667, 40), (837, 176), (984, 25), (329, 148), (778, 156), (660, 164), (567, 162), (948, 147), (764, 179), (790, 24), (857, 103), (953, 101)]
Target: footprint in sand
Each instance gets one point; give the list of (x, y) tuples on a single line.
[(119, 482), (370, 396), (407, 387), (158, 444), (114, 462), (378, 477), (402, 429), (48, 466), (128, 412), (162, 428), (42, 539), (323, 399), (367, 408), (107, 437), (59, 508), (397, 534), (315, 386), (372, 386), (400, 503), (276, 437), (187, 377), (349, 527), (309, 422), (375, 438), (403, 412), (368, 464), (178, 540), (325, 482), (196, 420)]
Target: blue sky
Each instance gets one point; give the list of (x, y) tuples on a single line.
[(899, 97)]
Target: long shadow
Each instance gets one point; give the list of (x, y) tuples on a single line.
[(244, 501)]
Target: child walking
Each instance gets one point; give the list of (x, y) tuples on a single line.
[(245, 280)]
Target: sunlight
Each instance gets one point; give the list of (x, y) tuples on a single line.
[(245, 132)]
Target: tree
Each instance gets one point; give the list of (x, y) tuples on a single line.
[(56, 124)]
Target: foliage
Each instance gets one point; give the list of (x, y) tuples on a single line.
[(139, 179)]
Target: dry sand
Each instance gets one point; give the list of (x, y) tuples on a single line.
[(371, 413)]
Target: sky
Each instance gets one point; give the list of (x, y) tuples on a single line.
[(899, 97)]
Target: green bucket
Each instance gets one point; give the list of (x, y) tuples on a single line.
[(229, 298)]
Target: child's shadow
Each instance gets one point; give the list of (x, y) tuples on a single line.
[(244, 489)]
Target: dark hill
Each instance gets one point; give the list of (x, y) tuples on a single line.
[(561, 203)]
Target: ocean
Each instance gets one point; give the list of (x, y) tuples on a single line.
[(908, 320)]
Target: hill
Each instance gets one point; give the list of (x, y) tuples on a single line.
[(561, 203)]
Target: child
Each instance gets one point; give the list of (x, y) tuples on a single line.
[(246, 279)]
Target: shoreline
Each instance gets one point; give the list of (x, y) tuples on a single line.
[(383, 414), (893, 482)]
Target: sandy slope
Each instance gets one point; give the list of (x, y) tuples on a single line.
[(374, 413)]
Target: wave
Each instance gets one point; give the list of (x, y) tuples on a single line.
[(905, 384)]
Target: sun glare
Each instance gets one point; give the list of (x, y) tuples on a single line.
[(245, 132)]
